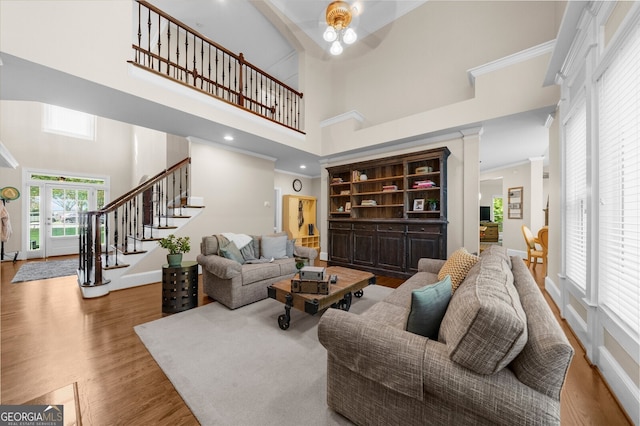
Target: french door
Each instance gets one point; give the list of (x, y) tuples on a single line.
[(63, 207), (54, 212)]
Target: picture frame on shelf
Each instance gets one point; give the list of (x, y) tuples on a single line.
[(347, 206), (515, 202), (418, 204)]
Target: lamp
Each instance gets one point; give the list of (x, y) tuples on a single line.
[(338, 17)]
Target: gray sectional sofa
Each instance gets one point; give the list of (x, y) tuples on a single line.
[(236, 284), (501, 357)]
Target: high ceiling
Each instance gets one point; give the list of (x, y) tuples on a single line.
[(504, 141), (235, 24)]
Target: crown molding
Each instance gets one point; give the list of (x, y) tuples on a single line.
[(349, 115), (513, 59), (6, 159), (226, 147), (419, 144)]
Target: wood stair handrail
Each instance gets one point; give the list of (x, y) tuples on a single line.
[(118, 202)]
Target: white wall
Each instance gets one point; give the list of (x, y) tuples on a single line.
[(149, 148), (420, 61), (489, 189), (21, 132), (235, 187)]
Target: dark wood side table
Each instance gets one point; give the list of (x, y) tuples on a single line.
[(179, 287)]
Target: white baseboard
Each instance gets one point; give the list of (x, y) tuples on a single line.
[(519, 253), (554, 291), (623, 387), (135, 280), (578, 325)]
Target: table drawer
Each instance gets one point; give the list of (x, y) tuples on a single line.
[(364, 226), (428, 228), (339, 225), (391, 227)]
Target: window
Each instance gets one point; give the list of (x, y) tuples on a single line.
[(68, 122), (498, 212), (619, 184), (576, 195)]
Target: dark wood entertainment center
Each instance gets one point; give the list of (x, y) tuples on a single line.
[(381, 217)]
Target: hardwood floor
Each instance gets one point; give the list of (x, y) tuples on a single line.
[(51, 337)]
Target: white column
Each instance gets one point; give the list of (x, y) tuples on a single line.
[(471, 185)]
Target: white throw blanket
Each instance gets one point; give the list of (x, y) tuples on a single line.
[(240, 240)]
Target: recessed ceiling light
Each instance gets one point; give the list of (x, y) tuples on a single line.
[(302, 166), (228, 138)]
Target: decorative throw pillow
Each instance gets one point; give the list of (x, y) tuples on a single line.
[(248, 252), (428, 306), (274, 246), (230, 251), (290, 245), (210, 245), (457, 266), (485, 326)]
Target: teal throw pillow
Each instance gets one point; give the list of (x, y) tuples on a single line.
[(230, 251), (428, 306)]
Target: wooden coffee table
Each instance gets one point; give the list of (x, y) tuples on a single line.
[(350, 281)]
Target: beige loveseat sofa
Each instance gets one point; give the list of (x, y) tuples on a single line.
[(236, 283), (486, 367)]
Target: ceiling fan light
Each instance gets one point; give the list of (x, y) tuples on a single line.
[(330, 34), (349, 36), (336, 48)]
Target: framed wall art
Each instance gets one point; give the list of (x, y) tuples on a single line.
[(515, 203)]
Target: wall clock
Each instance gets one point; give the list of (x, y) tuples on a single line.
[(297, 185)]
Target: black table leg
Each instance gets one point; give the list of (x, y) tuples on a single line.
[(285, 319)]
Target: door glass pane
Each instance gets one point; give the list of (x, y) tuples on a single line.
[(35, 235), (66, 204)]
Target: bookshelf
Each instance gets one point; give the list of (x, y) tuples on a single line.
[(385, 214)]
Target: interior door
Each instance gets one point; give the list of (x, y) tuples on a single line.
[(63, 205)]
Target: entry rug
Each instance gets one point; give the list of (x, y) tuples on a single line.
[(237, 367), (43, 270)]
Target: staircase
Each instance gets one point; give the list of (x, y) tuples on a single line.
[(118, 236)]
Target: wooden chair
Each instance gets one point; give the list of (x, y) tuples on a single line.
[(543, 240), (533, 253)]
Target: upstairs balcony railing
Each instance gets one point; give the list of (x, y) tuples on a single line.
[(169, 48)]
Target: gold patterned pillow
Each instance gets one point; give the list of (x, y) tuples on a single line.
[(457, 266)]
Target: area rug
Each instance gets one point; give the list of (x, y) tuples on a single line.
[(43, 270), (237, 367)]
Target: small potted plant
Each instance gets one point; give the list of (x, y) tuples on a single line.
[(176, 246), (432, 203)]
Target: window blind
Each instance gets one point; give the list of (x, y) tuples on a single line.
[(576, 195), (619, 184)]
